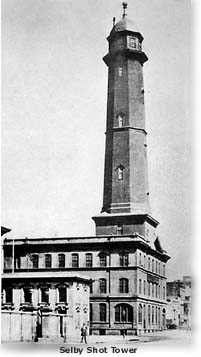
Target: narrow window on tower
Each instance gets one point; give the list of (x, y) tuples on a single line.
[(120, 121), (120, 172), (120, 71)]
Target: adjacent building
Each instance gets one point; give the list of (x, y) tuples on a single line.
[(179, 298)]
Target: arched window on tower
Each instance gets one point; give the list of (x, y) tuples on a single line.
[(120, 120), (120, 172)]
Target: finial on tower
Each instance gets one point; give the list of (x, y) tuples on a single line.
[(125, 5)]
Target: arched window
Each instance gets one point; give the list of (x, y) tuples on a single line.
[(120, 71), (34, 259), (17, 263), (91, 312), (48, 260), (156, 267), (91, 287), (62, 294), (149, 290), (45, 295), (159, 268), (103, 312), (164, 269), (120, 119), (144, 261), (156, 315), (164, 293), (152, 315), (61, 257), (149, 314), (140, 286), (164, 318), (123, 285), (140, 313), (27, 295), (144, 287), (123, 259), (123, 313), (153, 289), (149, 265), (89, 260), (153, 265), (103, 286), (159, 316), (9, 295), (120, 172), (140, 258), (75, 260), (103, 260)]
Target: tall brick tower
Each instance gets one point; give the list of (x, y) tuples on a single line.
[(126, 195)]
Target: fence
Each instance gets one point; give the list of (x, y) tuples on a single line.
[(24, 326)]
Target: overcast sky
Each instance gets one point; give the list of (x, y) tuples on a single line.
[(54, 117)]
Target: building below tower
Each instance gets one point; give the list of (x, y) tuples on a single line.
[(127, 274)]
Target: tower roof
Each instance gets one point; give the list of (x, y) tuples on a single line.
[(125, 24)]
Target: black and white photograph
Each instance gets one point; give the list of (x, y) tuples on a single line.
[(97, 176)]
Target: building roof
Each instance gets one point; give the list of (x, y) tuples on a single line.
[(48, 275), (4, 230)]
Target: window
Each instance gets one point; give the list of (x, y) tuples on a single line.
[(149, 263), (159, 268), (89, 261), (91, 287), (140, 313), (133, 42), (45, 295), (119, 229), (103, 260), (123, 313), (120, 121), (123, 285), (164, 269), (27, 295), (120, 170), (62, 294), (156, 315), (159, 315), (144, 261), (61, 260), (120, 71), (149, 290), (152, 318), (140, 286), (91, 312), (123, 259), (17, 263), (164, 293), (35, 261), (48, 260), (159, 291), (102, 312), (153, 289), (9, 296), (153, 265), (75, 260), (103, 286), (144, 287), (149, 314), (156, 267)]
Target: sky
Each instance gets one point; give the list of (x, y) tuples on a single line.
[(54, 96)]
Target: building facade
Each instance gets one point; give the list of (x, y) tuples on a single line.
[(124, 260), (179, 302)]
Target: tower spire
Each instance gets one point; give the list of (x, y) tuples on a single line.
[(125, 5)]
